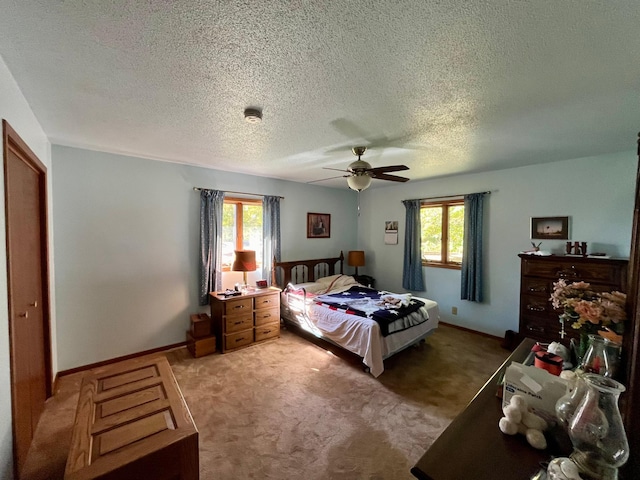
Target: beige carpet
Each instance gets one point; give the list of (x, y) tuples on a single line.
[(288, 409)]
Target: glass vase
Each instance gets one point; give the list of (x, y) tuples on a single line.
[(567, 405), (602, 356), (599, 441)]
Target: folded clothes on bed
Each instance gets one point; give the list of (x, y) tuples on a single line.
[(383, 307)]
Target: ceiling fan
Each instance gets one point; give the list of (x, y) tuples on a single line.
[(361, 172)]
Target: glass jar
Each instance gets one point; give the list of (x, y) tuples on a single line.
[(567, 405), (599, 441), (602, 356)]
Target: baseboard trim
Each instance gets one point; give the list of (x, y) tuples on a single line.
[(82, 368), (465, 329)]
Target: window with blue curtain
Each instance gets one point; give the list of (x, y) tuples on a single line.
[(211, 204), (412, 275), (271, 236), (471, 278)]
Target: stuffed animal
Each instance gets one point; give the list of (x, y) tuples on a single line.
[(518, 419)]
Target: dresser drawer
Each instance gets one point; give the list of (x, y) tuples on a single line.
[(267, 301), (237, 323), (237, 340), (267, 315), (240, 305), (534, 305), (539, 286), (267, 331), (596, 271)]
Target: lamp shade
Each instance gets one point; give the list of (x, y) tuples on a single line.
[(356, 258), (245, 261), (359, 182)]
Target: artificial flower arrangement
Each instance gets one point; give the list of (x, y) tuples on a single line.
[(587, 309)]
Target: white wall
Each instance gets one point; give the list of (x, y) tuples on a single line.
[(597, 193), (127, 246), (15, 109)]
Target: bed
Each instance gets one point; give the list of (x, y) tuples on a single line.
[(319, 299)]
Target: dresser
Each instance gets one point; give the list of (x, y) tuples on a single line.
[(538, 319), (245, 319), (132, 422), (472, 447)]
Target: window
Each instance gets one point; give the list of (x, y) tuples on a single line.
[(241, 229), (442, 234)]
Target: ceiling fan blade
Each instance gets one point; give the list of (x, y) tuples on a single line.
[(390, 168), (330, 178), (336, 169), (384, 176)]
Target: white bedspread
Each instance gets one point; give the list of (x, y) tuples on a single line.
[(362, 335)]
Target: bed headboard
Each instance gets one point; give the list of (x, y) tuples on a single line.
[(301, 271)]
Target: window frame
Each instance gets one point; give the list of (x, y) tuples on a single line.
[(238, 203), (444, 240)]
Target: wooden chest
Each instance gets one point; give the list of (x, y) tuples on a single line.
[(199, 347), (538, 319), (132, 423)]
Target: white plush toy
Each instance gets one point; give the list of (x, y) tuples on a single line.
[(518, 419)]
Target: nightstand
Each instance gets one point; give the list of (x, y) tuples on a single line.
[(245, 319)]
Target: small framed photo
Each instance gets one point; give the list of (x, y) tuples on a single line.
[(549, 228), (318, 225), (391, 232)]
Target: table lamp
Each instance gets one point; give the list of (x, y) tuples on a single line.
[(356, 259), (245, 262)]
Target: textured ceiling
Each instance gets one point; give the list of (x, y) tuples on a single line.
[(444, 87)]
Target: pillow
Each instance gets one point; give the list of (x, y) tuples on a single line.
[(338, 282), (329, 279)]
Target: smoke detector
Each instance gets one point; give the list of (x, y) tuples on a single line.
[(252, 115)]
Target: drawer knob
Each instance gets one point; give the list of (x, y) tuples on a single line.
[(533, 328), (239, 306), (238, 323), (537, 289), (568, 272), (239, 339), (535, 308)]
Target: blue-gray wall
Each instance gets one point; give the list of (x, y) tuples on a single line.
[(126, 234), (597, 193)]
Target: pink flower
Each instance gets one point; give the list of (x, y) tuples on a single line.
[(591, 311)]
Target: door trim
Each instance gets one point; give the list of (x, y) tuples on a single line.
[(13, 142)]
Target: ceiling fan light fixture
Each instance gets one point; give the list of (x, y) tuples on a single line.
[(359, 182), (252, 115)]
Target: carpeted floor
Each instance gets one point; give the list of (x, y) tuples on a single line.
[(288, 409)]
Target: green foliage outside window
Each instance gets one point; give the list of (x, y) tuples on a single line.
[(241, 236), (438, 219)]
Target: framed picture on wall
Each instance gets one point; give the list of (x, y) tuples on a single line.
[(318, 225), (391, 232), (550, 228)]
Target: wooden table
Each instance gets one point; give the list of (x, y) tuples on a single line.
[(133, 423), (473, 447)]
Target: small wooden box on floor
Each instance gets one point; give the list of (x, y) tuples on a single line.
[(245, 319), (199, 347), (200, 325), (131, 423)]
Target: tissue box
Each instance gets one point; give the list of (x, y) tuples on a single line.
[(540, 389)]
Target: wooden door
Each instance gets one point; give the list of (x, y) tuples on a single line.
[(27, 273)]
